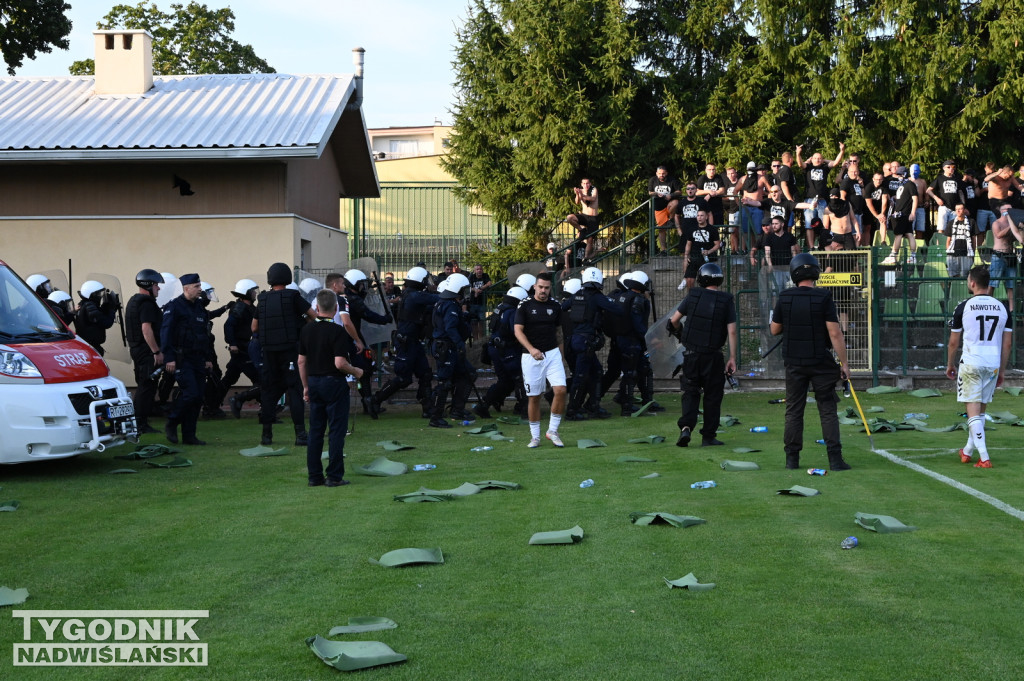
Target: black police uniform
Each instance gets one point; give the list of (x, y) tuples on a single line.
[(708, 314), (505, 354), (92, 321), (358, 311), (185, 340), (807, 352), (238, 334), (585, 313), (142, 309), (454, 372), (410, 357), (629, 327), (281, 314)]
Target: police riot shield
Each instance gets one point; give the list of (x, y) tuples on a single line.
[(59, 282), (513, 272), (664, 349), (310, 296), (373, 333), (116, 347), (169, 290)]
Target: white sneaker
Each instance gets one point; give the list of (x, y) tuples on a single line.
[(912, 259), (682, 285), (555, 440), (534, 443), (890, 260)]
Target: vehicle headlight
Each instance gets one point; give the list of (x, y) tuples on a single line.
[(17, 365)]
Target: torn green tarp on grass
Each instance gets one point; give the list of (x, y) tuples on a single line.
[(649, 440), (689, 582), (12, 596), (9, 505), (351, 655), (800, 491), (413, 497), (261, 450), (512, 420), (633, 459), (148, 452), (882, 390), (394, 445), (729, 465), (744, 450), (411, 556), (1015, 391), (176, 462), (662, 518), (925, 392), (497, 436), (1003, 417), (587, 444), (463, 490), (642, 410), (358, 625), (728, 420), (481, 430), (497, 484), (883, 524), (650, 475), (119, 471), (383, 467), (570, 536)]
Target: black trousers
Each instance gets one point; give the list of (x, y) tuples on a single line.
[(145, 392), (702, 371), (281, 375), (821, 378)]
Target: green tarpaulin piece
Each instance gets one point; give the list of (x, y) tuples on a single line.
[(799, 491), (882, 390), (925, 392), (497, 436), (942, 429), (744, 450), (12, 596), (357, 625), (148, 452), (383, 467), (412, 497), (650, 475), (633, 459), (497, 484), (874, 410), (400, 557), (351, 655), (649, 440), (689, 582), (642, 410), (263, 451), (393, 445), (1014, 391), (1003, 417), (883, 524), (729, 465), (569, 536), (662, 518), (463, 490), (729, 420), (587, 444), (176, 462), (480, 430), (512, 420), (847, 421), (9, 505), (119, 471)]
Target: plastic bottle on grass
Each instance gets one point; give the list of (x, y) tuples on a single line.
[(703, 484), (424, 467), (586, 483), (817, 471), (481, 449), (759, 429), (848, 543)]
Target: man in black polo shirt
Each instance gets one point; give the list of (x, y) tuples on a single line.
[(537, 323), (324, 350), (702, 246)]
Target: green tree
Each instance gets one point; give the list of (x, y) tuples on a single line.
[(190, 39), (546, 95), (31, 26)]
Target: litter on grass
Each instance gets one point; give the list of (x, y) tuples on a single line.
[(729, 465), (799, 491), (883, 524), (409, 556), (348, 656), (383, 467), (12, 596), (394, 445), (261, 450), (570, 536), (358, 625), (689, 582), (588, 444), (662, 518), (176, 462), (9, 505)]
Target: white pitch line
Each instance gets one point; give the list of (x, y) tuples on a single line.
[(955, 484)]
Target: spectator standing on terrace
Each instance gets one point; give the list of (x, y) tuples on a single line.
[(711, 188), (947, 191), (1005, 235), (665, 194), (960, 239), (585, 222), (816, 171)]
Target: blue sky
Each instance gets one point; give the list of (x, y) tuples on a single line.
[(409, 47)]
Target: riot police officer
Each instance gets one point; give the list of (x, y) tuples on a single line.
[(413, 326), (629, 327), (40, 283), (238, 335), (188, 353), (806, 317), (355, 294), (505, 354), (63, 306), (454, 372), (96, 313), (279, 317), (143, 319), (710, 317), (585, 313)]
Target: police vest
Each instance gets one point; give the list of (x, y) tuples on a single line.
[(189, 335), (278, 319), (707, 315), (620, 324), (805, 341), (87, 324), (584, 313), (415, 313), (132, 323)]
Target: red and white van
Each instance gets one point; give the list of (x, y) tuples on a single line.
[(57, 397)]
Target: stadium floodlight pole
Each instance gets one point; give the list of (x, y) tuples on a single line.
[(867, 428)]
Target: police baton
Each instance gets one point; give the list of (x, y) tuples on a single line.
[(771, 349), (120, 322)]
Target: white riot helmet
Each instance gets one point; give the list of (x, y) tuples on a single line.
[(518, 292), (246, 288), (443, 286), (622, 280), (62, 300), (356, 280), (310, 287), (457, 284), (526, 281), (592, 278), (293, 286), (209, 292), (640, 277), (89, 289), (417, 275), (40, 283), (572, 287)]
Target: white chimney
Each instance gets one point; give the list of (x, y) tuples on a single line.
[(124, 62), (358, 54)]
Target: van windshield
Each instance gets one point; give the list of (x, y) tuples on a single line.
[(24, 318)]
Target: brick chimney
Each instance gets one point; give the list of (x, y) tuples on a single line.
[(124, 62)]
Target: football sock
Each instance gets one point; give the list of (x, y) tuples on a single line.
[(535, 429), (976, 425), (556, 420)]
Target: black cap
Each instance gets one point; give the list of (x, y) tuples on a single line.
[(948, 162), (187, 279)]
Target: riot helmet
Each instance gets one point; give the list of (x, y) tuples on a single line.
[(641, 278), (91, 290), (356, 280), (148, 279), (310, 287), (416, 278), (457, 286), (710, 274), (518, 293), (279, 274), (246, 288), (572, 286), (294, 287), (621, 281), (804, 266), (526, 281), (207, 293), (63, 301), (592, 278), (40, 283)]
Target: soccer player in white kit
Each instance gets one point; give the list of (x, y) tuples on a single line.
[(986, 327)]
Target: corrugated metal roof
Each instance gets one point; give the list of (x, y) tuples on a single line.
[(194, 116)]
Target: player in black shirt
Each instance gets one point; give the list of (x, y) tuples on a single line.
[(537, 323)]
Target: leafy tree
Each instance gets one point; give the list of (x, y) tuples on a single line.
[(189, 39), (31, 26)]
